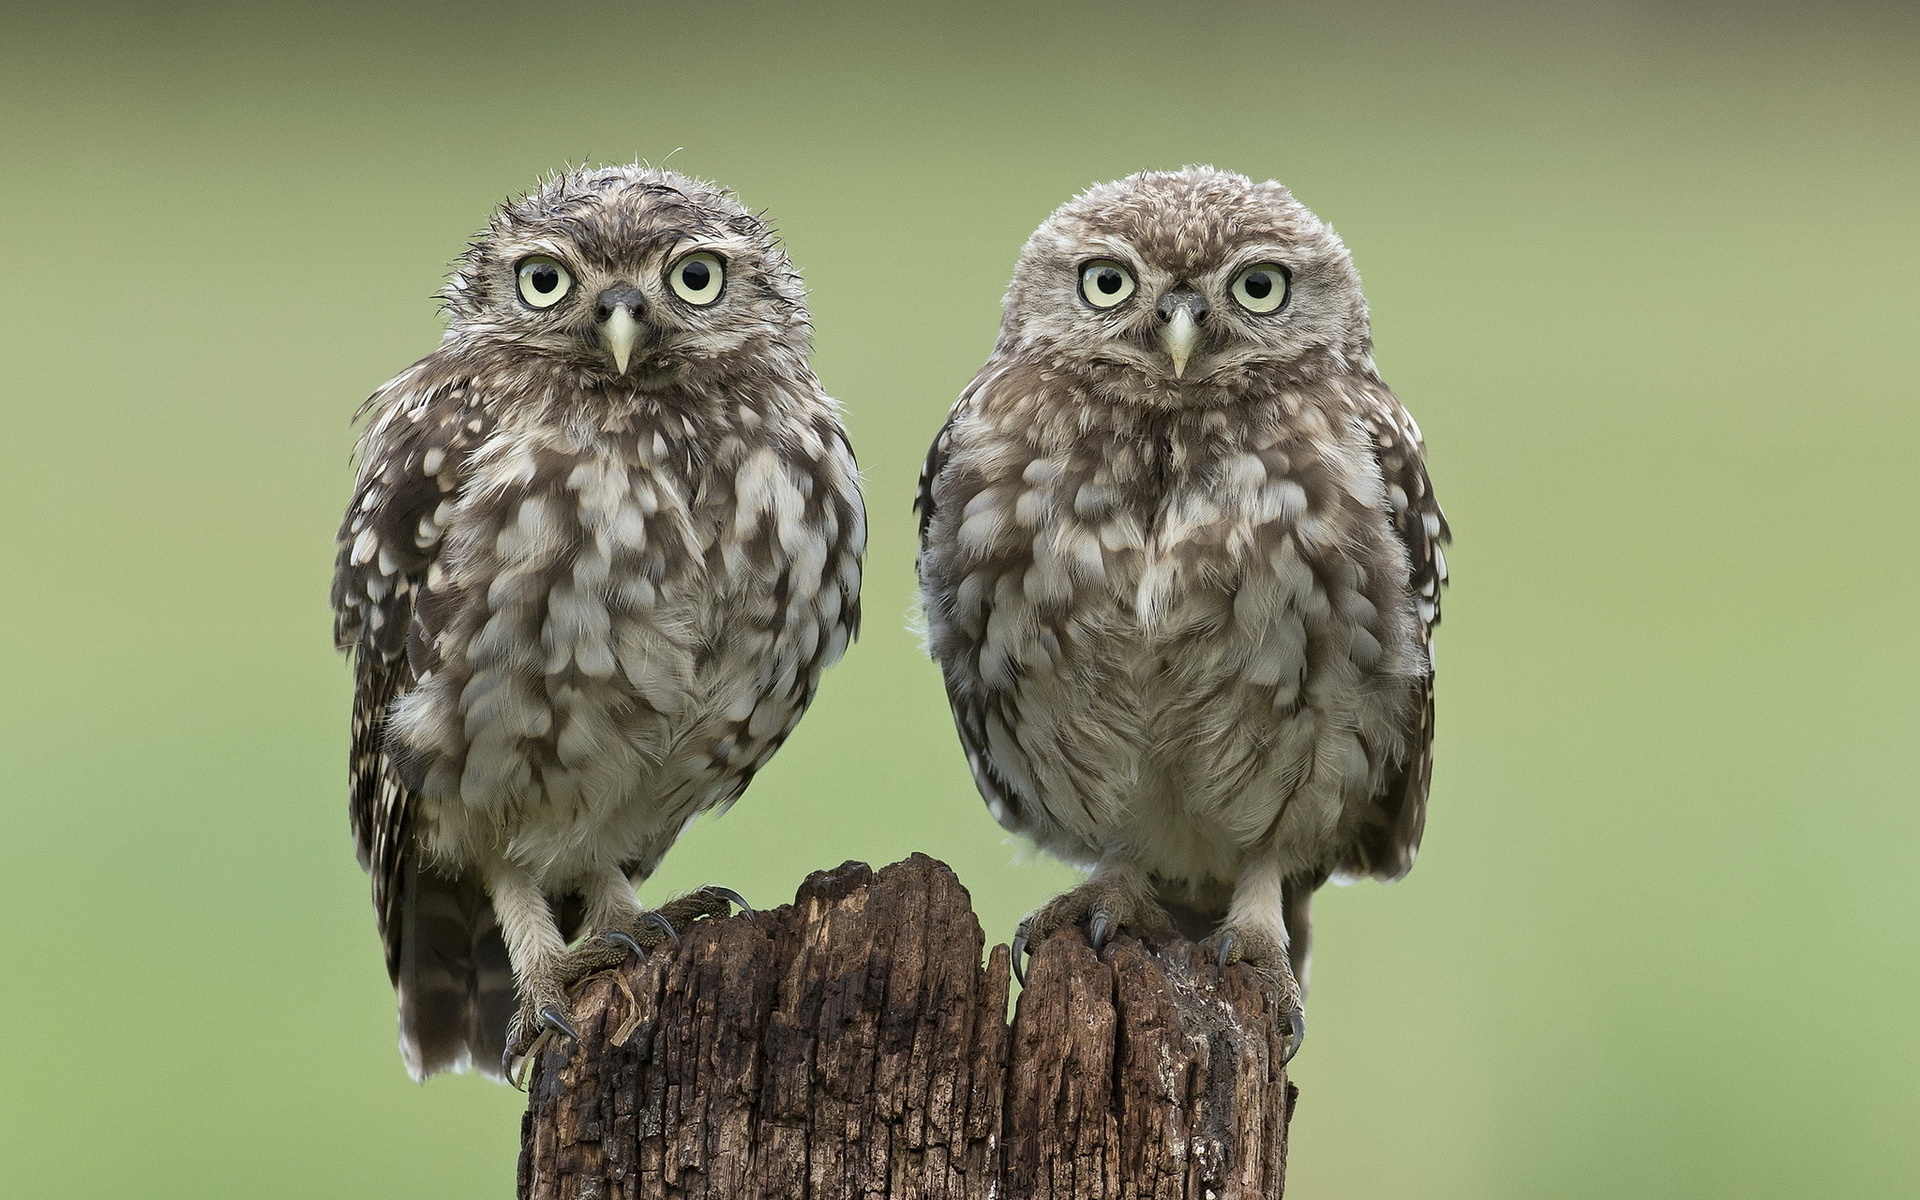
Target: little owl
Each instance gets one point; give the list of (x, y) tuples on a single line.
[(602, 543), (1180, 564)]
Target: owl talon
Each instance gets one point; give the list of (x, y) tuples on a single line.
[(556, 1019), (1297, 1028), (622, 938), (1116, 897), (731, 897), (529, 1031), (665, 926), (1266, 957)]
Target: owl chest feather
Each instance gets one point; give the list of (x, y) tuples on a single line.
[(1172, 631), (1129, 540), (625, 624)]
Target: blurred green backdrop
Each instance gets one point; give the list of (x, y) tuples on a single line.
[(1645, 273)]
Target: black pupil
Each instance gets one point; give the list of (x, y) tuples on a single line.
[(1108, 280), (544, 278), (1259, 285), (695, 275)]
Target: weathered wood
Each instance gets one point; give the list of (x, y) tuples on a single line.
[(853, 1044)]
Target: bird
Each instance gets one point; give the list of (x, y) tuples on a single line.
[(1180, 566), (601, 544)]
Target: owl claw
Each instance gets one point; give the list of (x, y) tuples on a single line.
[(556, 1019), (1115, 898), (1297, 1026), (664, 926), (1268, 961), (731, 897), (530, 1029), (623, 938)]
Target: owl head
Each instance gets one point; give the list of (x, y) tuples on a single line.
[(632, 274), (1186, 287)]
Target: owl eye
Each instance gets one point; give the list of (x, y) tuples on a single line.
[(1105, 283), (1262, 288), (697, 278), (543, 282)]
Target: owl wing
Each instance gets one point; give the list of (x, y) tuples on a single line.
[(412, 456), (1387, 843), (930, 471), (953, 637), (814, 620)]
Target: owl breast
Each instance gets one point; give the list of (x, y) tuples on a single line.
[(1194, 639), (619, 632)]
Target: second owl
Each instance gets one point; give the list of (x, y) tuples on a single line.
[(1180, 564)]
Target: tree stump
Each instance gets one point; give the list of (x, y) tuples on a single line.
[(853, 1044)]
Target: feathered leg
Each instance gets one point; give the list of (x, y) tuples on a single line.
[(538, 953)]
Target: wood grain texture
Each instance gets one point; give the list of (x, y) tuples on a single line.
[(853, 1044)]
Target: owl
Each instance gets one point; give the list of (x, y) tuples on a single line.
[(602, 543), (1180, 565)]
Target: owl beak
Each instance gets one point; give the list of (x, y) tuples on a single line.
[(619, 333), (1179, 337), (620, 327)]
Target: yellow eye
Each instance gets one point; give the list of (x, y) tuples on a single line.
[(1261, 288), (697, 278), (1105, 283), (544, 282)]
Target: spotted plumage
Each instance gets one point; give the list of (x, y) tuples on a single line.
[(1180, 564), (602, 544)]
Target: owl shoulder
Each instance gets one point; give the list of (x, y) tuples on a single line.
[(1413, 509), (989, 432), (422, 426)]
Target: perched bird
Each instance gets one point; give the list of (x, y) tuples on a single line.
[(602, 543), (1180, 565)]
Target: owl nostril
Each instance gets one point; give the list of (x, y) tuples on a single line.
[(629, 298), (1192, 301)]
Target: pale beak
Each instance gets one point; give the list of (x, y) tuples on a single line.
[(1180, 334), (618, 333)]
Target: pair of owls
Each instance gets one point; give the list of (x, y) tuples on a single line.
[(1179, 560)]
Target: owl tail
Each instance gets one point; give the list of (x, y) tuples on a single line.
[(453, 977)]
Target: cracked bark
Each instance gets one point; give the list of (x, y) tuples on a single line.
[(853, 1044)]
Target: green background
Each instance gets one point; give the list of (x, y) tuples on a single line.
[(1644, 272)]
